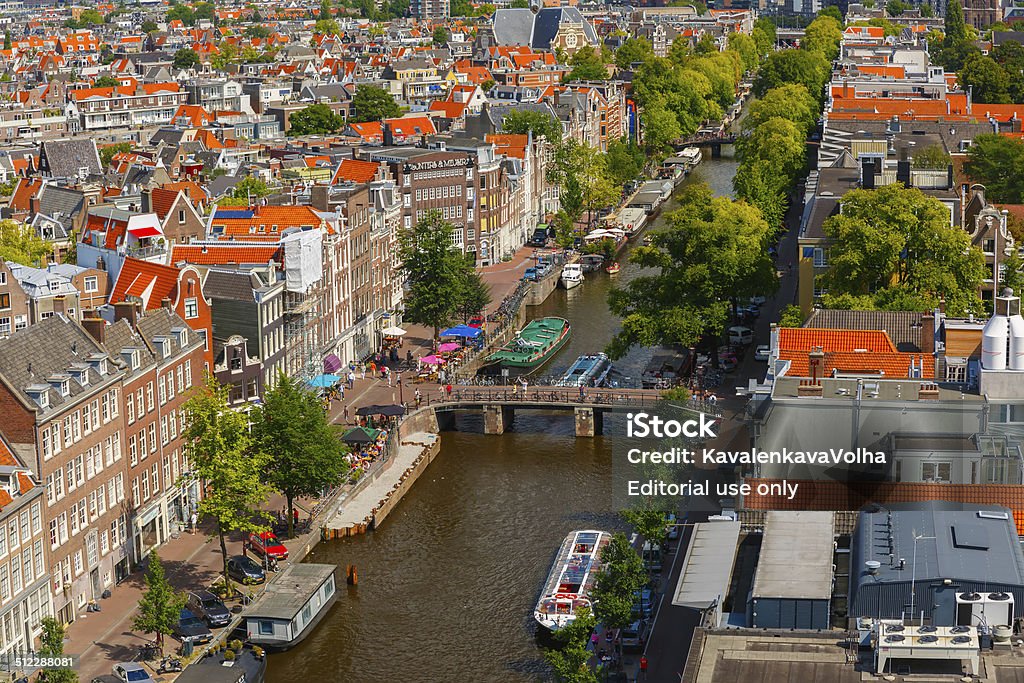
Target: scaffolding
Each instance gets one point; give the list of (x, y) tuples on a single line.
[(303, 309)]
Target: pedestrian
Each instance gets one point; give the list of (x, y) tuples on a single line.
[(583, 393), (594, 640), (388, 375), (398, 378), (351, 380), (448, 390), (408, 355), (295, 515), (193, 521), (418, 398), (526, 385), (643, 665), (344, 415)]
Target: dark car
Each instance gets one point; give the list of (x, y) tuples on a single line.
[(539, 238), (191, 628), (208, 606), (244, 570), (530, 274)]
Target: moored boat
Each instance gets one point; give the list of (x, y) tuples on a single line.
[(692, 155), (535, 344), (572, 577), (588, 371), (572, 275), (613, 268), (591, 262)]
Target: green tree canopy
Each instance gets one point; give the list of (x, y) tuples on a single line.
[(51, 645), (932, 157), (832, 11), (790, 101), (955, 26), (181, 13), (570, 662), (160, 606), (220, 448), (587, 65), (746, 48), (326, 27), (306, 456), (371, 103), (807, 67), (316, 119), (186, 58), (474, 296), (894, 242), (624, 161), (440, 36), (108, 153), (149, 27), (997, 162), (21, 244), (778, 141), (106, 82), (633, 50), (523, 121), (622, 574), (823, 35), (712, 251), (435, 272), (989, 82)]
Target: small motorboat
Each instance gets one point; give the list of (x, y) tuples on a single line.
[(612, 268)]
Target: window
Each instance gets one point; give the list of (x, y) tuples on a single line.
[(936, 472), (5, 300), (79, 568), (37, 520), (266, 627), (104, 542), (136, 498), (133, 450), (191, 308), (988, 246), (819, 258), (162, 390), (5, 325), (152, 437), (53, 534), (181, 217), (91, 284), (170, 386)]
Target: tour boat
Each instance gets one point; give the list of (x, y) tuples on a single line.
[(588, 371), (693, 156), (612, 268), (572, 275), (572, 577), (534, 345)]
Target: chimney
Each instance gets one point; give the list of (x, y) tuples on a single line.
[(928, 334), (126, 310), (147, 200), (95, 326), (816, 359), (809, 388), (389, 136), (928, 392), (33, 205), (903, 172), (166, 303)]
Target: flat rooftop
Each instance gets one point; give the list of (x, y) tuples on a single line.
[(707, 569), (289, 591), (796, 556)]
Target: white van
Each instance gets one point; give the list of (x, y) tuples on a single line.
[(741, 335)]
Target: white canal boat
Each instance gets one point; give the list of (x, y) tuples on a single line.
[(572, 577), (572, 275)]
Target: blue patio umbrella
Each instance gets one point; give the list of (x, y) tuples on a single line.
[(324, 381), (462, 331)]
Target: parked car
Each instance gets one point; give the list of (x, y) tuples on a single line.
[(539, 238), (758, 300), (266, 543), (530, 274), (543, 269), (740, 335), (643, 603), (209, 607), (673, 527), (632, 635), (244, 570), (131, 672), (762, 352), (191, 629)]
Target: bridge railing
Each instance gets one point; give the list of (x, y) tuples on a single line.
[(562, 396)]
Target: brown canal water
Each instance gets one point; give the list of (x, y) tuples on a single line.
[(448, 583)]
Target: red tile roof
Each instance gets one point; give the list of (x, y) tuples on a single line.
[(837, 495), (226, 254), (152, 282), (849, 352), (161, 201), (806, 338), (356, 170)]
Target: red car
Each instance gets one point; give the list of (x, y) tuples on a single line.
[(266, 543), (476, 321)]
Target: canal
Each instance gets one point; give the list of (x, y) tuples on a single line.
[(447, 585)]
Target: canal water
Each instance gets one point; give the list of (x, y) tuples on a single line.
[(448, 583)]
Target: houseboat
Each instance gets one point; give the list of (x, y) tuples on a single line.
[(572, 577), (291, 606), (632, 220), (572, 275), (588, 371), (591, 262), (534, 345)]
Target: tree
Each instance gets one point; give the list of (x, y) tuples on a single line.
[(648, 521), (371, 103), (90, 17), (895, 8), (51, 645), (245, 192), (434, 270), (306, 457), (326, 27), (622, 574), (712, 251), (932, 157), (823, 35), (519, 4), (186, 58), (224, 461), (624, 161), (440, 36), (777, 141), (746, 48), (807, 67), (565, 231), (633, 50), (660, 128), (523, 121), (7, 40), (791, 316), (257, 31), (759, 182), (316, 119), (474, 295), (106, 82), (326, 9), (204, 11), (895, 243), (955, 26), (182, 13), (833, 11), (988, 81), (1011, 275), (570, 661), (149, 27), (108, 153), (587, 65), (997, 162), (21, 244), (790, 101), (160, 606)]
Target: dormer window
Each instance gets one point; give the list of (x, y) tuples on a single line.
[(40, 393), (163, 346), (61, 383), (81, 375), (98, 362), (182, 334), (131, 358)]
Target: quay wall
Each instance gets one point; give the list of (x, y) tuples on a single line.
[(406, 482)]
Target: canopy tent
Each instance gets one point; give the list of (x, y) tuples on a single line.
[(598, 235), (431, 360), (449, 346), (332, 363), (324, 381), (360, 435), (389, 410), (462, 331), (393, 331)]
